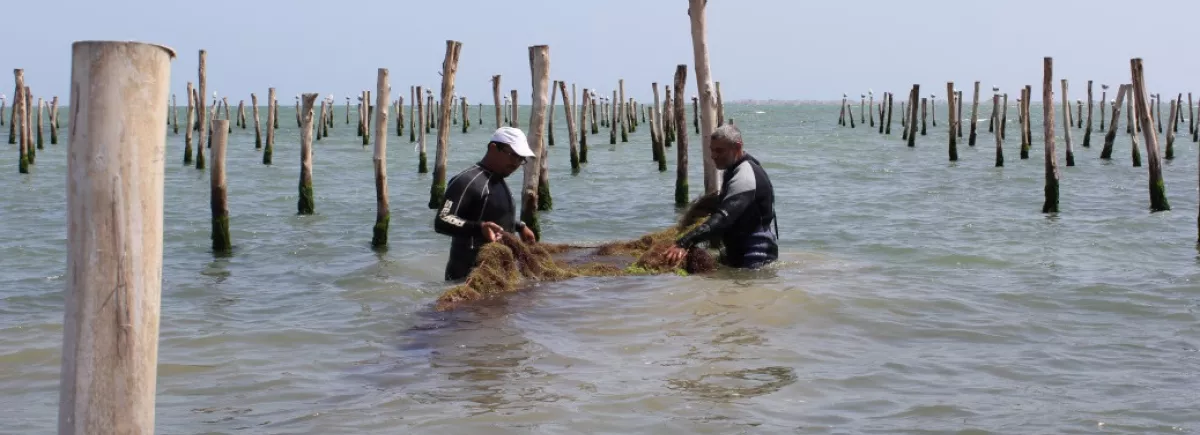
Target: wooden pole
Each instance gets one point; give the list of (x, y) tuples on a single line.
[(1052, 176), (999, 139), (174, 116), (28, 125), (18, 121), (539, 63), (201, 112), (1158, 192), (553, 93), (40, 144), (271, 121), (114, 237), (1087, 134), (1179, 112), (422, 164), (890, 97), (708, 116), (1004, 116), (496, 99), (1191, 117), (383, 217), (187, 133), (1103, 100), (624, 112), (924, 114), (1077, 121), (413, 101), (1023, 113), (437, 190), (1171, 132), (514, 119), (54, 120), (1158, 111), (1136, 121), (221, 243), (305, 204), (581, 129), (241, 118), (595, 128), (656, 129), (974, 114), (933, 106), (570, 127), (12, 121), (681, 139), (950, 110), (1106, 152), (696, 114), (257, 128), (912, 108), (466, 120), (225, 103), (721, 109), (612, 121), (1067, 123)]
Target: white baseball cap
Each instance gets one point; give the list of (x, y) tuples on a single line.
[(515, 139)]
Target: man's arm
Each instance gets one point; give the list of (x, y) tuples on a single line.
[(738, 195), (460, 199)]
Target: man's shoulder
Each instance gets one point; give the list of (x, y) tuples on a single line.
[(467, 175)]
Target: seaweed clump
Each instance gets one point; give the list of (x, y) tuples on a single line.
[(504, 266)]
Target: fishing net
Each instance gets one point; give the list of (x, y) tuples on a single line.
[(509, 264)]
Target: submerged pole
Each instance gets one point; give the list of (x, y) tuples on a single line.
[(379, 233), (305, 204), (219, 200)]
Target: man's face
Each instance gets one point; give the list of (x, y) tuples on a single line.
[(724, 153), (510, 160)]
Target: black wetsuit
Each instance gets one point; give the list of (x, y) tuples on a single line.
[(474, 196), (744, 219)]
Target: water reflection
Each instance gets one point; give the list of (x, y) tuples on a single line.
[(737, 384)]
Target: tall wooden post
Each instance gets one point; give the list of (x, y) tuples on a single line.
[(539, 63), (201, 112), (624, 111), (221, 243), (54, 120), (496, 100), (114, 237), (422, 163), (271, 121), (242, 113), (1106, 152), (383, 216), (18, 121), (27, 124), (550, 129), (1103, 99), (1087, 134), (466, 120), (257, 128), (1003, 116), (1067, 123), (571, 127), (1171, 132), (974, 114), (721, 108), (950, 110), (581, 124), (999, 139), (1158, 192), (681, 139), (656, 129), (912, 117), (174, 115), (305, 204), (437, 191), (890, 97), (708, 116), (187, 132), (514, 119), (612, 121), (40, 144), (871, 108), (1052, 176), (924, 115), (958, 120), (413, 100), (1024, 118), (1136, 121)]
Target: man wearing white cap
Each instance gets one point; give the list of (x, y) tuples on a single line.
[(478, 205)]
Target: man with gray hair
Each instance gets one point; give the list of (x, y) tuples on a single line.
[(745, 219)]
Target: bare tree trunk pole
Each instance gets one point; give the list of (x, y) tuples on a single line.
[(999, 139), (708, 115), (1087, 134), (950, 110), (539, 63), (271, 121), (721, 108), (437, 191), (114, 237), (40, 145), (656, 129), (466, 120), (1136, 121), (383, 216), (257, 128), (187, 132), (1170, 155), (1111, 136), (422, 162), (1052, 175), (889, 97), (612, 121), (912, 117), (1067, 123), (515, 118), (496, 100), (974, 115), (681, 139), (414, 100), (201, 112), (1158, 191), (553, 93), (582, 127), (571, 127), (624, 111), (18, 121), (305, 204), (221, 243), (54, 120)]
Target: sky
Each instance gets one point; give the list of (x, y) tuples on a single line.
[(758, 49)]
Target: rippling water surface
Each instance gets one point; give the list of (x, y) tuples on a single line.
[(914, 295)]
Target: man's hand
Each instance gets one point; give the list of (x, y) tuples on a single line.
[(527, 235), (491, 231), (675, 253)]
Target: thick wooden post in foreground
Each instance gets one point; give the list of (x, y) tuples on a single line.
[(114, 237), (1052, 176), (681, 138), (383, 216), (304, 205), (708, 112), (221, 244), (437, 191), (1158, 191), (539, 63), (272, 120)]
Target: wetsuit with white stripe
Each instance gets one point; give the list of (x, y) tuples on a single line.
[(744, 218), (474, 196)]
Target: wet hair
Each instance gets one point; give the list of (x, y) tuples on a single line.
[(727, 133)]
